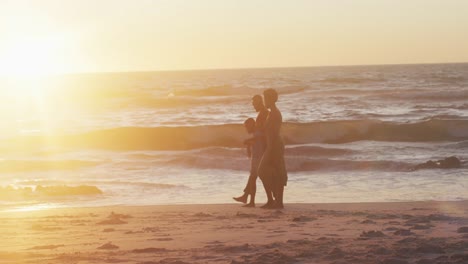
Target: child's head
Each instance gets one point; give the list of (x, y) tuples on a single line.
[(249, 125)]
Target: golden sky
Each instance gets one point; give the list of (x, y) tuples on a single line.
[(42, 36)]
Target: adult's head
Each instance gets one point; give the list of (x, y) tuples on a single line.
[(257, 102), (270, 96)]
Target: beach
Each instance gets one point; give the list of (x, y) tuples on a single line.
[(233, 132), (389, 233)]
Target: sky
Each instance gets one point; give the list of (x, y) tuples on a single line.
[(48, 36)]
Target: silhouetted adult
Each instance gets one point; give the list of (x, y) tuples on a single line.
[(257, 151), (272, 168)]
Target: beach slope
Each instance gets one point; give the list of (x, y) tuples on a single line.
[(393, 233)]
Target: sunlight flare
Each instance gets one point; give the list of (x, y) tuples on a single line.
[(30, 57)]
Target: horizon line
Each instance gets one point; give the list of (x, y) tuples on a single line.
[(259, 68), (243, 68)]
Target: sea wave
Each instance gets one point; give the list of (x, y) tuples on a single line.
[(229, 94), (232, 135), (461, 107), (226, 94), (227, 90), (352, 80), (43, 165), (293, 164), (46, 192), (99, 183), (423, 95), (415, 94), (449, 79), (300, 150), (459, 145)]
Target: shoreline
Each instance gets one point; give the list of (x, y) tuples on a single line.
[(233, 204), (45, 208), (384, 232)]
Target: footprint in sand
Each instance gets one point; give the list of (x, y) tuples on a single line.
[(371, 234), (426, 261), (162, 239), (115, 219), (336, 253), (201, 214), (279, 231), (214, 242), (244, 215), (430, 249), (460, 257), (49, 247), (45, 228), (394, 261), (108, 246), (380, 251), (150, 229), (422, 227), (303, 219), (403, 232), (149, 250), (122, 216)]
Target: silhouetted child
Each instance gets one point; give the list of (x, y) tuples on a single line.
[(255, 148)]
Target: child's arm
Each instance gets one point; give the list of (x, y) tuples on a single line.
[(252, 139), (249, 141), (249, 151)]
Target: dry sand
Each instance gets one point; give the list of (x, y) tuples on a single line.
[(390, 233)]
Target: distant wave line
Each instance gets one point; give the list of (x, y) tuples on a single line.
[(232, 135)]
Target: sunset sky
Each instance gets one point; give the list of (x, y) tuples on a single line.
[(50, 36)]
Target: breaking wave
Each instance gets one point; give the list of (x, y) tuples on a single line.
[(46, 192), (42, 165), (293, 163), (232, 135)]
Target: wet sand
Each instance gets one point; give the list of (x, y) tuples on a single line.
[(389, 233)]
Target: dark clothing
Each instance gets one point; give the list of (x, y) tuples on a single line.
[(272, 168)]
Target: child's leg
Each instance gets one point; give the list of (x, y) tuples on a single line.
[(253, 190), (252, 187)]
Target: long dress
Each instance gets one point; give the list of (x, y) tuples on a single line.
[(272, 168)]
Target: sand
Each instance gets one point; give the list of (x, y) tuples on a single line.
[(390, 233)]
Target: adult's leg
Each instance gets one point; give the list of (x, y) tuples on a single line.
[(269, 194), (264, 172), (279, 196), (280, 179)]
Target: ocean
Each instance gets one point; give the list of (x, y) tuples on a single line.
[(352, 134)]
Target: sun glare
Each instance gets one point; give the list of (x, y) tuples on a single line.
[(30, 57), (31, 208)]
